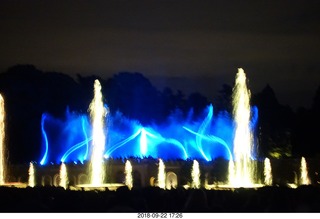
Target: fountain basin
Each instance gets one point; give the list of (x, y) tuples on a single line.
[(232, 187), (15, 184), (101, 187)]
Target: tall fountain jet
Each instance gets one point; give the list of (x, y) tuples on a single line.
[(128, 173), (267, 172), (63, 176), (98, 114), (304, 178), (195, 174), (242, 168), (31, 180), (161, 175), (2, 142)]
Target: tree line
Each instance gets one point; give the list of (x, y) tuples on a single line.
[(30, 92)]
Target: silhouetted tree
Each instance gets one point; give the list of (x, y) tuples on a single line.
[(275, 124), (134, 96), (306, 129), (168, 101), (223, 101), (197, 102), (29, 93)]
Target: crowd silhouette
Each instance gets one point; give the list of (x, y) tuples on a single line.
[(154, 199)]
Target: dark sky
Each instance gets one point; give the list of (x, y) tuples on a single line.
[(192, 45)]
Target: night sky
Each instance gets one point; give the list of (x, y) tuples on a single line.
[(192, 45)]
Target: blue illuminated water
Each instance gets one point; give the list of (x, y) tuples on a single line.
[(208, 137)]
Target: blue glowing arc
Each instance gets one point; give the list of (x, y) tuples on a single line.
[(212, 138), (73, 148), (176, 142), (44, 134), (202, 129), (85, 137), (203, 138), (121, 143)]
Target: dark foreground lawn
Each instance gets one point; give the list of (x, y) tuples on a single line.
[(153, 199)]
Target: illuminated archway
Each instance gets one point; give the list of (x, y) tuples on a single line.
[(171, 180), (46, 180), (152, 181), (56, 180), (83, 179)]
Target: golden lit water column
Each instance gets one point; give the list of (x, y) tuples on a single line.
[(161, 175), (98, 114), (267, 172), (241, 171), (128, 173), (195, 174), (63, 175), (304, 178), (31, 180), (2, 142)]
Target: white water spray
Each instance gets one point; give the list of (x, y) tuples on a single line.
[(2, 142), (304, 178), (161, 175), (195, 174), (267, 172), (63, 176), (31, 181), (241, 170), (128, 173), (98, 114)]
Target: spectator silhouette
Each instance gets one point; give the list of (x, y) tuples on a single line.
[(196, 201)]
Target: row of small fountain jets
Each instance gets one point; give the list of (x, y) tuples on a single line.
[(240, 167), (195, 175)]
